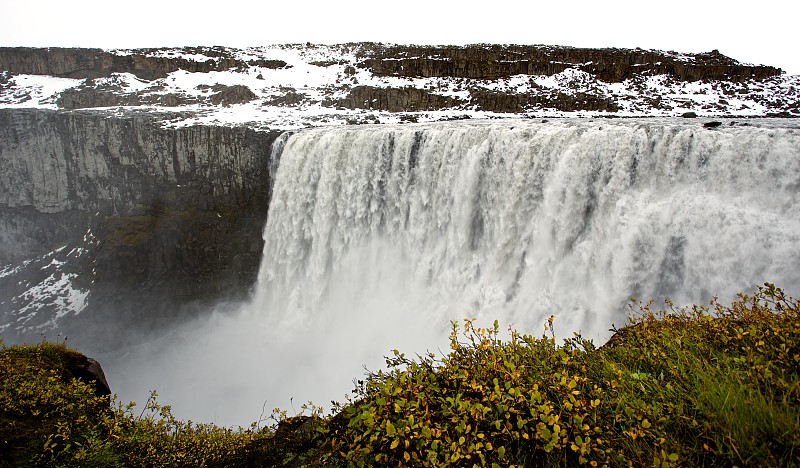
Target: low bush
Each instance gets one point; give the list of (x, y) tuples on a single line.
[(697, 386)]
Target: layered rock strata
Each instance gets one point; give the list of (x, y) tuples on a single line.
[(163, 217)]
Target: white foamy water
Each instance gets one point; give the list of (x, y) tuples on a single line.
[(379, 236)]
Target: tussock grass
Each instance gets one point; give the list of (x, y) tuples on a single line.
[(709, 385)]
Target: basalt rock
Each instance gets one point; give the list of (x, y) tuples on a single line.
[(175, 215), (490, 62), (227, 95), (147, 64), (517, 102), (394, 99), (89, 95)]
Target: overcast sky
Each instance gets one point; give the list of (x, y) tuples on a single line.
[(763, 31)]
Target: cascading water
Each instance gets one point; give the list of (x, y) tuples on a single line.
[(379, 236), (519, 220)]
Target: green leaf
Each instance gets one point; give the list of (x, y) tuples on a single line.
[(673, 457), (390, 430), (501, 451)]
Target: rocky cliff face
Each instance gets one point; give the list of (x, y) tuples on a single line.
[(491, 62), (160, 217), (147, 64)]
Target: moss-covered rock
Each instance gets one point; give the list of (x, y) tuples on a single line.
[(52, 402)]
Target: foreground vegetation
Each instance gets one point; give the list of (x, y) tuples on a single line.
[(711, 385)]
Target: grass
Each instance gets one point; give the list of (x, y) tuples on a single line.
[(713, 385)]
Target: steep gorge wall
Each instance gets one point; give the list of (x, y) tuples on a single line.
[(176, 214)]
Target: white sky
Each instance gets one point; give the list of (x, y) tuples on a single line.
[(752, 32)]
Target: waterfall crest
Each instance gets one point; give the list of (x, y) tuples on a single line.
[(519, 220)]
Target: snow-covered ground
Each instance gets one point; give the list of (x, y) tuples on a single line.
[(44, 290), (317, 75)]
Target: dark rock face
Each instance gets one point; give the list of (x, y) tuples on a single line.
[(96, 63), (516, 103), (90, 95), (227, 95), (491, 62), (90, 371), (394, 99), (175, 214)]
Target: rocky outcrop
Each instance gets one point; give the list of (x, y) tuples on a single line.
[(228, 95), (147, 64), (175, 214), (517, 102), (90, 95), (490, 62), (414, 99), (393, 99)]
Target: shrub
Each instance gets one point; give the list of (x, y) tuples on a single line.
[(703, 385)]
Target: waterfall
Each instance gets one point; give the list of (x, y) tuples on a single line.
[(519, 220), (378, 236)]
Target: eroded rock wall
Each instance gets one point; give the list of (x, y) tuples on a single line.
[(489, 62), (175, 214), (96, 63)]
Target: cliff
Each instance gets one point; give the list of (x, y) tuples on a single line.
[(147, 64), (490, 62), (160, 217)]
